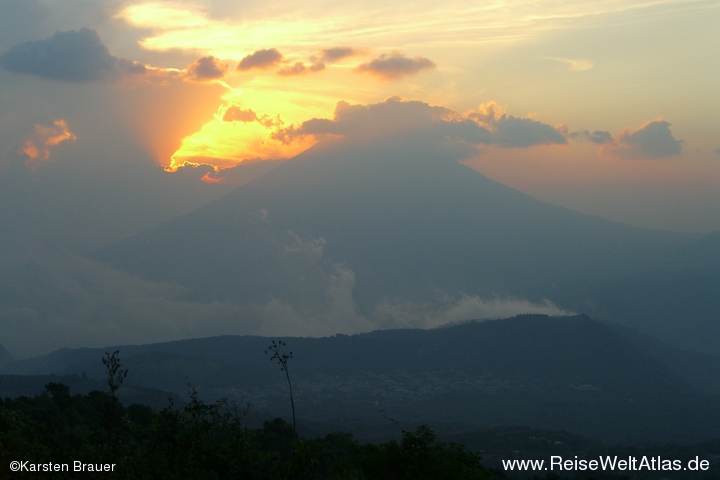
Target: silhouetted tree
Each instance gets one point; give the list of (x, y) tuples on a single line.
[(115, 377), (282, 360)]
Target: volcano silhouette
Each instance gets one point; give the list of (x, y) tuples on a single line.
[(393, 223)]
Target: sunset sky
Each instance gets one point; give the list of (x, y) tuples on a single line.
[(608, 107)]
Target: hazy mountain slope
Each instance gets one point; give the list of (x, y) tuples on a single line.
[(680, 307), (572, 373), (5, 356), (699, 370)]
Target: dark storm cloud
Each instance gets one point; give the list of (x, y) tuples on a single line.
[(207, 68), (261, 59), (72, 56), (395, 66)]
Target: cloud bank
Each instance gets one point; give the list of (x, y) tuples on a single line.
[(651, 140), (509, 131), (427, 124), (72, 56)]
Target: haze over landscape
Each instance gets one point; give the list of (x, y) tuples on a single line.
[(119, 116), (501, 219)]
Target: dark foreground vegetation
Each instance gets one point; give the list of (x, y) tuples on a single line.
[(58, 435), (202, 441), (210, 441)]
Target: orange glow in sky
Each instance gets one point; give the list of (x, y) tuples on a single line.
[(223, 142), (563, 60), (243, 125)]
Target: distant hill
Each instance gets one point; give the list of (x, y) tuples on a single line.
[(569, 373)]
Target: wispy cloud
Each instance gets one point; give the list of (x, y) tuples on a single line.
[(235, 113), (332, 55), (37, 147), (189, 25), (299, 68), (573, 64), (448, 310)]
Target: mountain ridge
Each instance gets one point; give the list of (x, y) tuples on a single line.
[(544, 372)]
